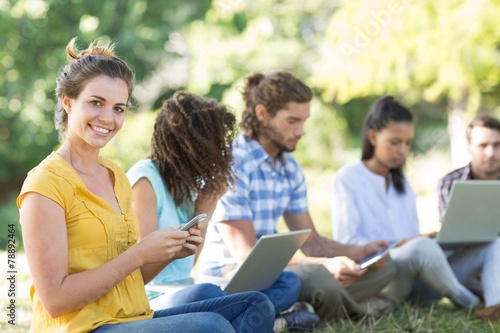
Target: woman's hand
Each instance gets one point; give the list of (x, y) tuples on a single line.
[(162, 245), (192, 244)]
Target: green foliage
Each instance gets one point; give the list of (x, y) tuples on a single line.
[(34, 37), (323, 145), (133, 141), (421, 49), (10, 215), (351, 50)]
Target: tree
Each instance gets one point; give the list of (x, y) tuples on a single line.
[(424, 49), (34, 36)]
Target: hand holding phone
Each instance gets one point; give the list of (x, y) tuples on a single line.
[(193, 221), (374, 257)]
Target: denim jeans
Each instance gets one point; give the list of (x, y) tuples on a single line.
[(283, 294), (243, 312)]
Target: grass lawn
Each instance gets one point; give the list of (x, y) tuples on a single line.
[(442, 317)]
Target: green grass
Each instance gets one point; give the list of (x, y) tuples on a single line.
[(441, 317)]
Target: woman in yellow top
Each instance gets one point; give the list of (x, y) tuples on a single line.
[(81, 234)]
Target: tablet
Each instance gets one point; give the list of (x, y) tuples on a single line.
[(374, 257)]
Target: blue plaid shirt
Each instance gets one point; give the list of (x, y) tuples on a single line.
[(262, 193)]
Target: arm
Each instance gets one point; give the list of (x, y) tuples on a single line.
[(46, 246), (444, 188), (204, 204), (336, 257), (145, 208), (320, 246), (239, 237)]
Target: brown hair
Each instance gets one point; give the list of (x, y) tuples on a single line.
[(192, 146), (483, 121), (274, 91), (98, 59)]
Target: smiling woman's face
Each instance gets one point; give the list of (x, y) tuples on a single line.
[(97, 114)]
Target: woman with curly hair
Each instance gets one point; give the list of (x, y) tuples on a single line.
[(188, 169)]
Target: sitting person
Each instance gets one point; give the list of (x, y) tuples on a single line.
[(80, 232), (483, 137), (189, 168), (372, 199), (270, 185)]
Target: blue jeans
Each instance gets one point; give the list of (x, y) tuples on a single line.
[(244, 312), (283, 294)]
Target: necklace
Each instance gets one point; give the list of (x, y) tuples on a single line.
[(78, 170)]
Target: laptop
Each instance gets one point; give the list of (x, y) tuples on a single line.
[(473, 214), (267, 260)]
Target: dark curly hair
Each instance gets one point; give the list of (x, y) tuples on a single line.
[(274, 91), (192, 146)]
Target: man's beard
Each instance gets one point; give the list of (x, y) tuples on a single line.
[(488, 171), (269, 134)]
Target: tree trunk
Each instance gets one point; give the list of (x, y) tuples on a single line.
[(457, 125)]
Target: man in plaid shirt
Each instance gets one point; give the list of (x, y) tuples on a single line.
[(269, 185), (483, 136)]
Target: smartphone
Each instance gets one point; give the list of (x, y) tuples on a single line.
[(374, 257), (193, 221)]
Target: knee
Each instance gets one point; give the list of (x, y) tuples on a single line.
[(291, 282), (210, 290), (260, 312), (263, 305), (214, 322), (319, 283), (423, 247)]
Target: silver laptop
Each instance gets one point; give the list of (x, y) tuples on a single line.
[(473, 214), (266, 261), (268, 258)]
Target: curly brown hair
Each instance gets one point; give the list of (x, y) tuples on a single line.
[(274, 91), (192, 146)]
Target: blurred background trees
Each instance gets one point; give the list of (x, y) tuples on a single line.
[(441, 58)]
